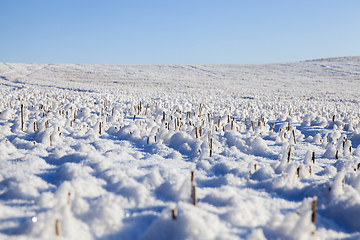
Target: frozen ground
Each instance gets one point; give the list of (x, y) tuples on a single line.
[(106, 151)]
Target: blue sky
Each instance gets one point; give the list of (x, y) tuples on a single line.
[(197, 31)]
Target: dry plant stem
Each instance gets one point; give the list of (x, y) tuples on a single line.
[(69, 195), (293, 131), (57, 227), (193, 193), (298, 171), (174, 213), (313, 216), (192, 176), (289, 154), (313, 157), (22, 117), (336, 154)]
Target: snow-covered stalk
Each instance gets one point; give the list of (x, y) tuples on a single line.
[(69, 195)]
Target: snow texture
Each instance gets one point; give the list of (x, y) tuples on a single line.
[(265, 151)]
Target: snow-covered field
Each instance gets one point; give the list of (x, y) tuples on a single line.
[(265, 151)]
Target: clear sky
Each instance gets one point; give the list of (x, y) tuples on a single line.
[(172, 31)]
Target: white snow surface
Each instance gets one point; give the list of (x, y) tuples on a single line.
[(107, 151)]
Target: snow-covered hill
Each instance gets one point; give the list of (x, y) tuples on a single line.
[(117, 151)]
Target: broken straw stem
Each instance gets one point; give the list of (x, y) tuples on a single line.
[(293, 131), (289, 154), (57, 227), (174, 213), (193, 193), (313, 216), (313, 157), (22, 117)]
